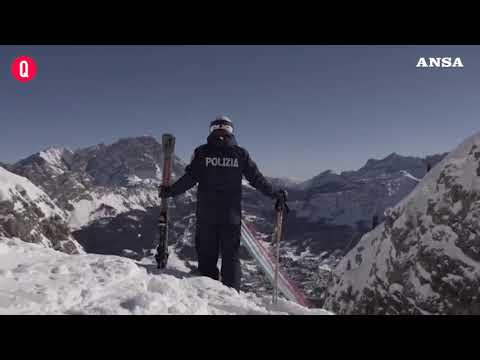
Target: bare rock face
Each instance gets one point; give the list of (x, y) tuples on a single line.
[(425, 257)]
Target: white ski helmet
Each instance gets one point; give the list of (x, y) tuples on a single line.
[(222, 122)]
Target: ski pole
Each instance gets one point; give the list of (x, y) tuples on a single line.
[(282, 206), (277, 256)]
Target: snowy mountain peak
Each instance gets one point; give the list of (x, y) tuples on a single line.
[(101, 180), (116, 164), (56, 156), (392, 162), (425, 257), (48, 163), (54, 153)]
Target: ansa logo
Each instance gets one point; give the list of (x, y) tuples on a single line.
[(439, 62)]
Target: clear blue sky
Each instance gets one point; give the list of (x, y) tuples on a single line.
[(299, 110)]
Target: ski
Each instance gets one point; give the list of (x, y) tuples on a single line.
[(267, 263), (168, 146)]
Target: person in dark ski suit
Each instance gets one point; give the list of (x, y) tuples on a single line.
[(218, 167)]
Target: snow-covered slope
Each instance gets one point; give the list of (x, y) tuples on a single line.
[(425, 257), (21, 192), (36, 280), (103, 202), (27, 211)]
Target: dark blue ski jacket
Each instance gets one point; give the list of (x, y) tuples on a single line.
[(218, 168)]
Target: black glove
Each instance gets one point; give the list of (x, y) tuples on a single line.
[(280, 198), (164, 191)]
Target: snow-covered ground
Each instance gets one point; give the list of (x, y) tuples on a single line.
[(38, 280)]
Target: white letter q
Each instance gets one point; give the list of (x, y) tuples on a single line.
[(23, 69)]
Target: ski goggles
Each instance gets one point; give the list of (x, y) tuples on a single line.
[(226, 127)]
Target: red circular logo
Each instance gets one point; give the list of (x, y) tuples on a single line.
[(24, 68)]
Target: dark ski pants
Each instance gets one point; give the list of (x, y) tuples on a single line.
[(212, 240)]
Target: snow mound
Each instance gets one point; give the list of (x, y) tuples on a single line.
[(37, 280)]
